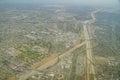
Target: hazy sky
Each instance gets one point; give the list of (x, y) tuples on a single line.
[(86, 2)]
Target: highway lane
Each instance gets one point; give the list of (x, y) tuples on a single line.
[(89, 67)]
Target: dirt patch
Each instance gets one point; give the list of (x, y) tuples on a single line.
[(44, 61)]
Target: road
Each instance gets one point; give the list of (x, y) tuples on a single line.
[(48, 64), (89, 67)]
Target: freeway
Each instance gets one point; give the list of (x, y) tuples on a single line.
[(89, 67), (50, 63)]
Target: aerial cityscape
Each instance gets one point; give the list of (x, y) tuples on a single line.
[(59, 40)]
